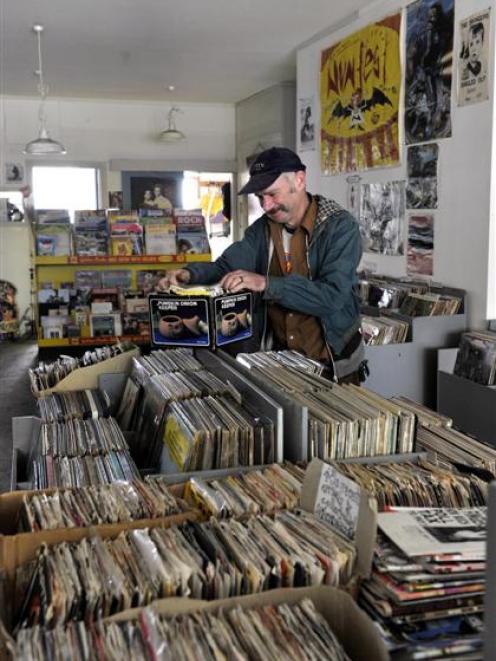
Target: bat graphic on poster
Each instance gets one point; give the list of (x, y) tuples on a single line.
[(358, 106)]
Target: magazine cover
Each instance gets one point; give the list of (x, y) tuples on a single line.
[(233, 315), (436, 531), (179, 322)]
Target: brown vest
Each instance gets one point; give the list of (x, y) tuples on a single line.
[(292, 329)]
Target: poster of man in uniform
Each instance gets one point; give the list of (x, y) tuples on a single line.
[(420, 245), (360, 79), (473, 60), (421, 189), (429, 62), (382, 217)]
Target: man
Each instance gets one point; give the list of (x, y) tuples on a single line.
[(300, 258), (159, 199), (473, 67)]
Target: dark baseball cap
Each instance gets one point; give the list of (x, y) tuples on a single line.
[(269, 165)]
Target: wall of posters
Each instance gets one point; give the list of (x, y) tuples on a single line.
[(420, 252), (429, 61), (382, 217), (473, 59), (306, 114), (421, 189), (360, 80)]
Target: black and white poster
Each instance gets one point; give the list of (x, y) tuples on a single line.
[(382, 217), (473, 59), (429, 64), (421, 190), (306, 111)]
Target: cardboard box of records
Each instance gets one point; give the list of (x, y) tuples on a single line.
[(353, 628), (22, 548), (201, 317), (86, 377)]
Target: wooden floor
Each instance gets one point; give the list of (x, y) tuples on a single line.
[(15, 396)]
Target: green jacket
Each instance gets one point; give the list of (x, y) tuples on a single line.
[(330, 293)]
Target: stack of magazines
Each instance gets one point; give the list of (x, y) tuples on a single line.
[(88, 506), (283, 631), (211, 560), (476, 358), (81, 453), (427, 587)]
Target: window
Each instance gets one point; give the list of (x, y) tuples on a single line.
[(64, 187)]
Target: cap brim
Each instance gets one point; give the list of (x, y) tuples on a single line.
[(259, 182)]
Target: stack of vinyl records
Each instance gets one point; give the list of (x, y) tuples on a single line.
[(97, 577), (343, 421), (161, 361), (387, 292), (257, 491), (476, 358), (96, 505), (425, 416), (427, 587), (381, 330), (430, 305), (286, 357), (457, 448), (47, 375), (283, 631), (421, 484), (214, 432), (60, 407), (80, 453)]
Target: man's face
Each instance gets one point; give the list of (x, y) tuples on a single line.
[(285, 200), (475, 47), (157, 191)]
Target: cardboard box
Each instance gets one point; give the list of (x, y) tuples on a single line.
[(339, 501), (352, 626), (17, 550), (200, 321), (87, 377)]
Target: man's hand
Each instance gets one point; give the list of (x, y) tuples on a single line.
[(238, 280), (176, 277)]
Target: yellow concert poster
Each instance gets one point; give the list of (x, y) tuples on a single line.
[(360, 79)]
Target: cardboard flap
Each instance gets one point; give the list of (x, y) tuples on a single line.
[(341, 503)]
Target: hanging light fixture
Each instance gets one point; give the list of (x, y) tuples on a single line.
[(171, 133), (43, 145)]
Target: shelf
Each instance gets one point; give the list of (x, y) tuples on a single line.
[(91, 341), (122, 260)]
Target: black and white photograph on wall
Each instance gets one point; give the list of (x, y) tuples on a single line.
[(152, 190), (14, 172), (421, 189), (353, 195), (473, 59), (115, 199), (429, 63), (382, 217), (420, 253), (306, 111)]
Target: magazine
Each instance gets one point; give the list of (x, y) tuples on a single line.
[(437, 531)]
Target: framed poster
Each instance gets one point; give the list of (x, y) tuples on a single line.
[(152, 190)]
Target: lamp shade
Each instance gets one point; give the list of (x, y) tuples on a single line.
[(44, 146), (172, 135)]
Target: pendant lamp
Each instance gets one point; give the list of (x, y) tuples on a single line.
[(171, 133)]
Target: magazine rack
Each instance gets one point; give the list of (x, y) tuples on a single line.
[(472, 406)]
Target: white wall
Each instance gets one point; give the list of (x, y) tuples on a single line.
[(99, 131), (462, 221)]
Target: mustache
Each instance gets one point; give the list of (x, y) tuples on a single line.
[(274, 210)]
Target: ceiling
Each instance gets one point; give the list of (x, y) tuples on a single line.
[(211, 50)]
